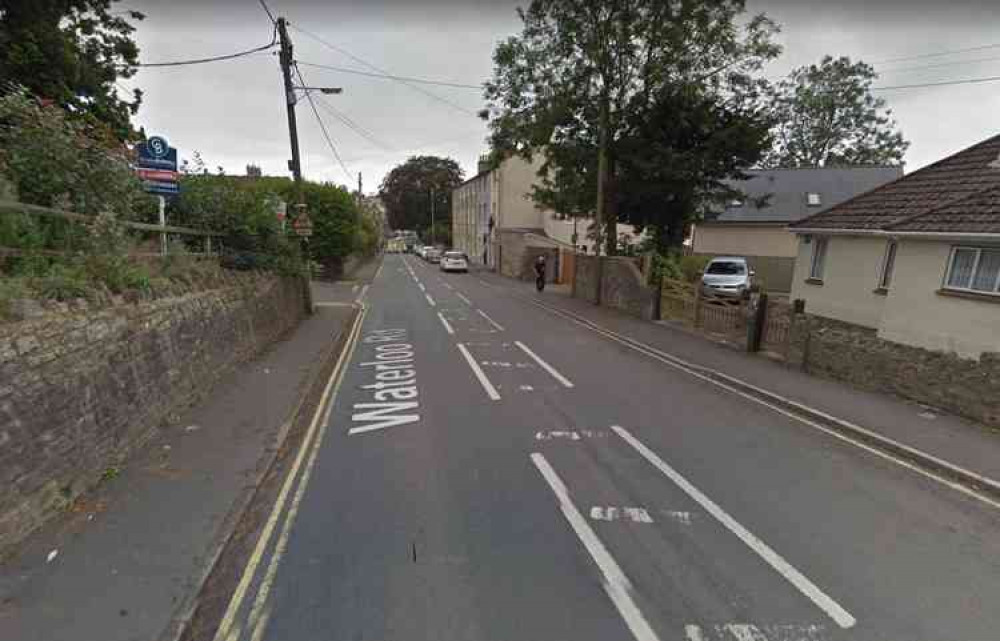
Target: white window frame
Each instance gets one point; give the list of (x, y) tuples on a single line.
[(818, 197), (817, 243), (888, 267), (972, 275)]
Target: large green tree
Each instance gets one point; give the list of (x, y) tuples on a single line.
[(826, 114), (72, 52), (581, 72), (406, 192)]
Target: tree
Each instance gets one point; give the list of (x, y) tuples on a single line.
[(53, 160), (72, 52), (406, 193), (826, 114), (580, 70)]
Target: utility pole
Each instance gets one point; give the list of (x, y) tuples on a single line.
[(432, 217), (286, 59), (360, 191)]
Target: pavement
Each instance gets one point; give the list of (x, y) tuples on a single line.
[(485, 469), (127, 561)]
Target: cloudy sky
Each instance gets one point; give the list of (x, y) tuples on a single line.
[(233, 112)]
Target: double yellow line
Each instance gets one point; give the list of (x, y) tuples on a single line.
[(229, 628)]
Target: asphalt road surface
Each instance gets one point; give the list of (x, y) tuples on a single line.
[(489, 471)]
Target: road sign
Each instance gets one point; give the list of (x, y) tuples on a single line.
[(162, 175), (161, 187), (302, 225), (157, 166)]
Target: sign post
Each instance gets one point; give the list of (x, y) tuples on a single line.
[(157, 168)]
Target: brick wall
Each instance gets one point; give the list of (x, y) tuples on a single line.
[(854, 354), (81, 389)]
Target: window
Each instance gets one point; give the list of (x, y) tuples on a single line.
[(727, 268), (818, 258), (734, 203), (888, 264), (813, 199), (974, 269)]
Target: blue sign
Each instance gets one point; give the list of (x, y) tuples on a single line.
[(161, 187), (155, 153)]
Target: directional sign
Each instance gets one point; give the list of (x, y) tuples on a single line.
[(159, 187), (302, 224), (162, 175)]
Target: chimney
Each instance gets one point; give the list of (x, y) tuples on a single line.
[(484, 164)]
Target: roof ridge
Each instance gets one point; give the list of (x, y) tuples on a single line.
[(922, 170), (936, 208)]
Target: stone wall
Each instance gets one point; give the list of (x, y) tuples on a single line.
[(531, 254), (622, 285), (854, 354), (80, 390)]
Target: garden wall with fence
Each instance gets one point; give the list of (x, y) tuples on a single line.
[(614, 282)]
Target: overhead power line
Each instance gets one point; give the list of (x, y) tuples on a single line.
[(267, 11), (412, 85), (937, 54), (322, 126), (352, 125), (199, 61), (939, 65), (969, 81), (423, 81)]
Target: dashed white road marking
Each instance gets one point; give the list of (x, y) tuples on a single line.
[(447, 325), (354, 288), (842, 617), (421, 286), (430, 300), (750, 632), (681, 517), (611, 513), (447, 286), (572, 435), (492, 322), (616, 584), (548, 368), (462, 296), (361, 296), (485, 382)]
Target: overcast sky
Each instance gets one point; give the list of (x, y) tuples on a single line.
[(233, 111)]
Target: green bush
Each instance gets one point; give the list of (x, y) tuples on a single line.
[(692, 267), (63, 282)]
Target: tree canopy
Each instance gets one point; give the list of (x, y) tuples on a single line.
[(406, 194), (826, 114), (72, 52), (585, 77)]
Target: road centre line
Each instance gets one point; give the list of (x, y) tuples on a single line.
[(615, 583), (462, 296), (548, 368), (421, 286), (693, 370), (430, 300), (447, 286), (492, 322), (309, 444), (446, 324), (485, 382), (841, 616), (750, 632)]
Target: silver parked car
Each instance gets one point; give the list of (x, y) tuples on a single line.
[(727, 277)]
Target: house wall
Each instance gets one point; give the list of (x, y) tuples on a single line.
[(513, 180), (915, 314), (849, 279), (745, 240)]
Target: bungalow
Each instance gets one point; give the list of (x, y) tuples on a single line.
[(917, 259), (755, 225)]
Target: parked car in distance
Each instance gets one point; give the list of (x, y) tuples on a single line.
[(726, 276), (432, 254), (454, 261), (418, 250)]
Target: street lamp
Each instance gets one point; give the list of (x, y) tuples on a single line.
[(325, 90)]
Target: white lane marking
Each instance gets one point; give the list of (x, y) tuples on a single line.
[(361, 296), (421, 286), (616, 584), (549, 435), (750, 632), (447, 286), (548, 368), (492, 322), (681, 517), (236, 601), (485, 382), (378, 271), (693, 633), (430, 300), (526, 388), (690, 368), (842, 617), (611, 513), (354, 289), (463, 297), (446, 324)]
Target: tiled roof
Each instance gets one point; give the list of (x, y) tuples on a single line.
[(779, 195), (950, 195)]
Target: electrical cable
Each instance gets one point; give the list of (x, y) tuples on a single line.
[(968, 81), (383, 71), (268, 11), (423, 81), (322, 126), (198, 61), (937, 54), (352, 125)]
